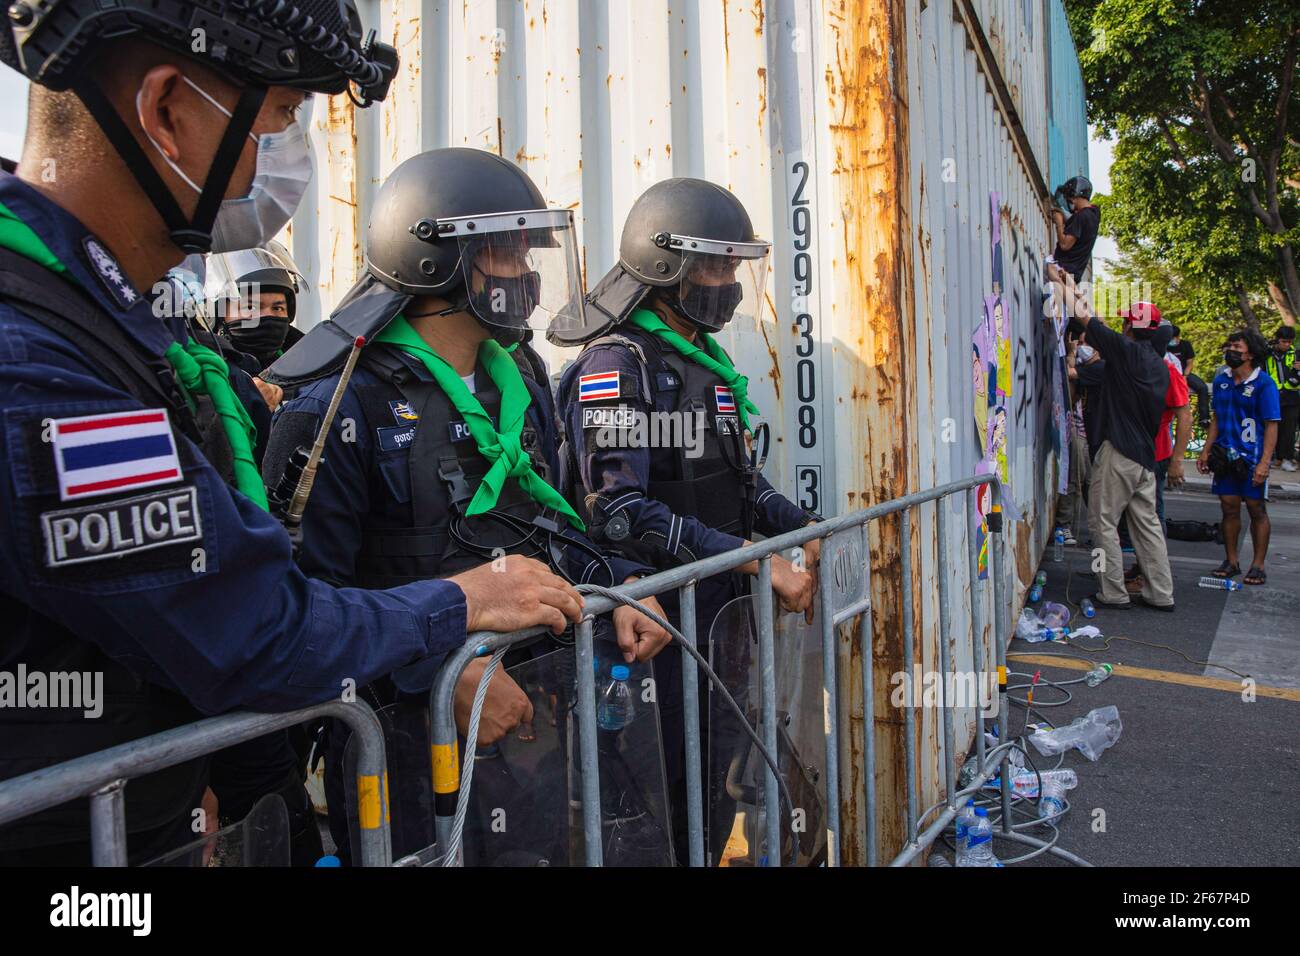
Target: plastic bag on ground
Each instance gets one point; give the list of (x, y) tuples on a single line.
[(1029, 627), (1090, 734), (1053, 615)]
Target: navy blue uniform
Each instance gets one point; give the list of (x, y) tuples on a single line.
[(213, 611), (673, 505), (398, 466)]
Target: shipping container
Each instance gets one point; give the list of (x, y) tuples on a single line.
[(866, 138)]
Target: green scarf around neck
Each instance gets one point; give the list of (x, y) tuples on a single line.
[(199, 370), (711, 356), (503, 449)]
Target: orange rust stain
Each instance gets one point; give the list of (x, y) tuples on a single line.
[(726, 34), (762, 95), (868, 165), (756, 11)]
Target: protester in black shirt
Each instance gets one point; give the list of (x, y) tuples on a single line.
[(1076, 236), (1127, 415)]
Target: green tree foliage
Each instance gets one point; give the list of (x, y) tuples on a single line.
[(1205, 205)]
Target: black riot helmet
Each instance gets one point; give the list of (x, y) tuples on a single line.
[(692, 240), (1078, 187), (470, 227), (311, 45)]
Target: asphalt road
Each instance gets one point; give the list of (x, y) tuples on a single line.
[(1205, 772)]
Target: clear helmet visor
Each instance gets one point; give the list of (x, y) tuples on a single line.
[(716, 288), (521, 271), (243, 286)]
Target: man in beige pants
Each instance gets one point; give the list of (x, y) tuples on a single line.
[(1132, 399), (1119, 483)]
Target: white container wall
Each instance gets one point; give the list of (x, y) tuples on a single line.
[(864, 137)]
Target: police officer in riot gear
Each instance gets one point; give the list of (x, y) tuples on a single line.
[(443, 452), (254, 297), (134, 541), (688, 264)]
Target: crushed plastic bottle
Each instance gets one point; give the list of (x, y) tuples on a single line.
[(1219, 584), (1098, 674), (1090, 735), (979, 842), (1052, 802), (1048, 634), (1087, 608), (1025, 782)]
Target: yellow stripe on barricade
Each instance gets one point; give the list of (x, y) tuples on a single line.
[(446, 768), (368, 800)]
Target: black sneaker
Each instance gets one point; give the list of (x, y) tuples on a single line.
[(1109, 605)]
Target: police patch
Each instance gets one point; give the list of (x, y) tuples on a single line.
[(727, 424), (403, 412), (110, 274), (458, 431), (396, 437), (618, 416), (114, 529)]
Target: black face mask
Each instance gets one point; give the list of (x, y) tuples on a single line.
[(504, 305), (711, 306), (264, 338), (1234, 359)]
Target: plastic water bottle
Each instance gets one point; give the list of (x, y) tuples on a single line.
[(1052, 634), (1087, 608), (1051, 803), (963, 824), (614, 712), (1025, 781), (1219, 584), (979, 842), (1058, 546), (1098, 674), (1036, 589)]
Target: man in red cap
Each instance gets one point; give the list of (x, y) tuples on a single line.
[(1131, 403)]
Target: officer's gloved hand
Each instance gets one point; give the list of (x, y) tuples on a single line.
[(513, 593), (639, 638)]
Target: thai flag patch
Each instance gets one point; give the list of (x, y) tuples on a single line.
[(120, 451), (600, 385), (726, 401)]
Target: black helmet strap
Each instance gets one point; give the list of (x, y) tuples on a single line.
[(189, 235)]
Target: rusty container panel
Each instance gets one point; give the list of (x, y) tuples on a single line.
[(831, 120)]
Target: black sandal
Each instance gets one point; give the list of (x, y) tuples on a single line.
[(1226, 570), (1255, 576)]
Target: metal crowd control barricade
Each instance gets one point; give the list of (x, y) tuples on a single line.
[(103, 776), (844, 593)]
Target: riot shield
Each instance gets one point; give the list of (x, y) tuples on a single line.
[(406, 797), (526, 793), (736, 768), (260, 839)]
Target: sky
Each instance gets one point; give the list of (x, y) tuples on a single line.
[(13, 120)]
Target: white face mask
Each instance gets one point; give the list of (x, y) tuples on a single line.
[(284, 170), (1085, 353)]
